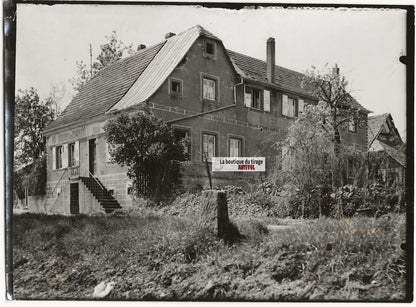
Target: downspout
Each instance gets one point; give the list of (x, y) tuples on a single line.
[(235, 93)]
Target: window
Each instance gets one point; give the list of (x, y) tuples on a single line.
[(175, 87), (253, 98), (208, 89), (256, 100), (58, 155), (235, 147), (71, 155), (352, 125), (184, 136), (288, 106), (210, 48), (208, 146)]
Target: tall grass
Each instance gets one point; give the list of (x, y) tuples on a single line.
[(152, 256)]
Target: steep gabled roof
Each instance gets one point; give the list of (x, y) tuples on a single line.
[(162, 65), (375, 126), (135, 79), (375, 123), (106, 88)]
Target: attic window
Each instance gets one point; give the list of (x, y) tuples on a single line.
[(175, 87), (210, 49)]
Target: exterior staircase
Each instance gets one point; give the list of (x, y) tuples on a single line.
[(106, 200)]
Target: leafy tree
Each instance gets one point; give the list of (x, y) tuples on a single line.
[(110, 52), (31, 117), (331, 88), (309, 162), (148, 147)]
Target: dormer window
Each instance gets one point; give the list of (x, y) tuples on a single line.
[(210, 49)]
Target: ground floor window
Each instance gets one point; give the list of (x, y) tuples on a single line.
[(58, 155), (235, 146), (71, 155), (183, 136), (208, 146)]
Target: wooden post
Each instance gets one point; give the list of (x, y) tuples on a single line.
[(215, 212), (26, 196), (222, 214)]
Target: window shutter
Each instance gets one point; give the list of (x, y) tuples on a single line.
[(266, 104), (65, 156), (285, 106), (247, 98), (76, 152), (301, 106), (54, 158)]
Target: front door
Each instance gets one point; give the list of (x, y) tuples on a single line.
[(74, 198), (92, 156)]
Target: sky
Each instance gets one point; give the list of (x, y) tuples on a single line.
[(365, 43)]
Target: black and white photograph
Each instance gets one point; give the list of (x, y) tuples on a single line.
[(209, 152)]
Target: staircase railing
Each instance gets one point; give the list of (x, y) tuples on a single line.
[(53, 191), (99, 183), (59, 181)]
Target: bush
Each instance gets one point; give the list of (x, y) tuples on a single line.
[(376, 200)]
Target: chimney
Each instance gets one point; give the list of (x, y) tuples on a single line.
[(169, 34), (140, 47), (270, 59), (335, 71)]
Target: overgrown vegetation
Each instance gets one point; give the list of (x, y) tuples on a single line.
[(148, 147), (160, 257), (32, 116)]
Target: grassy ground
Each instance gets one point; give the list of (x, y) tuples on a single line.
[(151, 256)]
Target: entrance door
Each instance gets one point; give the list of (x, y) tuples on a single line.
[(92, 156), (74, 198)]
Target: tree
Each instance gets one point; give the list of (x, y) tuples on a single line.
[(309, 161), (110, 52), (31, 117), (148, 147), (307, 156), (331, 88)]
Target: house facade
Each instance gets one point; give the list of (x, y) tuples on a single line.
[(224, 102), (386, 146)]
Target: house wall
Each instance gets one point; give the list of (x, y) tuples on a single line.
[(357, 139), (190, 73), (257, 129), (113, 176)]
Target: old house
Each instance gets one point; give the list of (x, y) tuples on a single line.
[(387, 149), (225, 102)]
